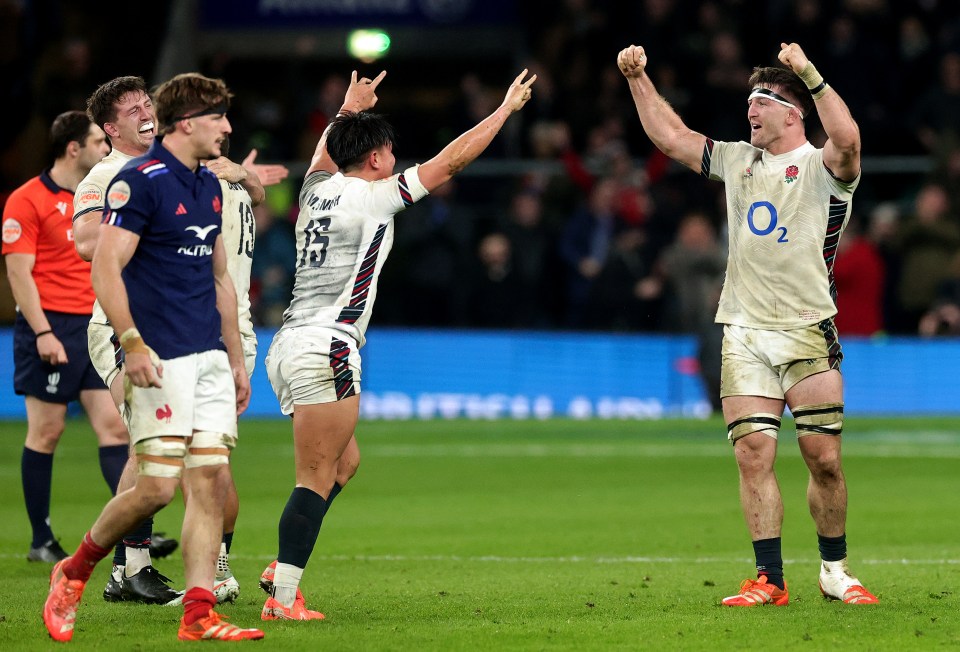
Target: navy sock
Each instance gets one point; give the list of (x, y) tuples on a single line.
[(334, 492), (112, 461), (120, 554), (769, 560), (228, 540), (140, 538), (299, 526), (36, 474), (832, 548)]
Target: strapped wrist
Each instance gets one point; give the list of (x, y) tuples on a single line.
[(814, 80), (37, 336)]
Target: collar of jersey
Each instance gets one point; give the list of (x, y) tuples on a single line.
[(793, 154), (165, 156), (51, 185)]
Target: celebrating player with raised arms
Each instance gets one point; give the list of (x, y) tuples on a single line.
[(344, 233), (787, 204)]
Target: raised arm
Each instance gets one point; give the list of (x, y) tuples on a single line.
[(115, 248), (661, 123), (361, 96), (841, 152), (469, 145)]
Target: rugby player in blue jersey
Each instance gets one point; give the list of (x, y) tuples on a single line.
[(161, 274)]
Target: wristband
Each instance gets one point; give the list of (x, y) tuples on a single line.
[(131, 342), (814, 80), (42, 333)]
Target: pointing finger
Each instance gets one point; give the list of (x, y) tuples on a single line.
[(378, 78)]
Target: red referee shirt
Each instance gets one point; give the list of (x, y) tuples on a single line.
[(38, 220)]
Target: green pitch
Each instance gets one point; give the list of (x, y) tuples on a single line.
[(557, 535)]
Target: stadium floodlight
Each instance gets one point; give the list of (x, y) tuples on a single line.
[(368, 45)]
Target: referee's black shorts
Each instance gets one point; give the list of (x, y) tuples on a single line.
[(54, 383)]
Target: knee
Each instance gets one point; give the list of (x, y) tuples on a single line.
[(754, 459), (154, 496), (44, 437), (825, 466)]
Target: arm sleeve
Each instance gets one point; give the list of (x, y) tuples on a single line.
[(842, 188), (396, 193), (311, 182), (130, 202), (21, 225), (717, 155), (88, 198)]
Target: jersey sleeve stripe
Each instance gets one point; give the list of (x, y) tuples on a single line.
[(89, 209), (706, 158), (405, 195)]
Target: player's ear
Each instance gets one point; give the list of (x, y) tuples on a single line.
[(111, 129)]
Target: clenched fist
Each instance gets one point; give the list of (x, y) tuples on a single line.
[(632, 61), (791, 55)]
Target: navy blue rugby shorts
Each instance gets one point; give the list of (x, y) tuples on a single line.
[(54, 383)]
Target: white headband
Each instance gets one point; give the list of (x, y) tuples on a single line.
[(768, 94)]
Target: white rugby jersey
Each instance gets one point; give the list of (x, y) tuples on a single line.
[(344, 234), (785, 215), (239, 235), (91, 196)]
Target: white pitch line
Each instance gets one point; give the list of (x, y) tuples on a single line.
[(577, 559), (879, 449)]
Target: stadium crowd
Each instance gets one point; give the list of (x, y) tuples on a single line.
[(597, 230)]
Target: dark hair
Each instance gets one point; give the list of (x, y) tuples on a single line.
[(101, 106), (788, 84), (353, 136), (188, 94), (72, 126)]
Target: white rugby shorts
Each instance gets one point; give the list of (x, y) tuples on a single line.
[(309, 364), (104, 349), (757, 362), (249, 345), (198, 393)]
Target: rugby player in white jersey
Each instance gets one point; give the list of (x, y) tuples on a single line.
[(787, 204), (123, 109), (243, 188), (344, 233)]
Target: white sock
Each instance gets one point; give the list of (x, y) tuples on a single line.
[(836, 567), (137, 560), (285, 583)]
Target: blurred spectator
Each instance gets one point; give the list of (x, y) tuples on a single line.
[(858, 273), (882, 232), (693, 269), (496, 298), (627, 295), (434, 238), (936, 117), (943, 318), (928, 242), (584, 246), (273, 268), (535, 262)]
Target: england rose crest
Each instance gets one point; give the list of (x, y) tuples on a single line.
[(791, 174)]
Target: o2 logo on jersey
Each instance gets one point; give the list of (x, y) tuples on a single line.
[(771, 211)]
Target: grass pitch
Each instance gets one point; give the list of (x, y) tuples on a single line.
[(555, 535)]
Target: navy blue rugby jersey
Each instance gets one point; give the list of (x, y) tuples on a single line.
[(177, 214)]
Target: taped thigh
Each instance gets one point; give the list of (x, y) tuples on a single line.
[(768, 424), (819, 419), (171, 450), (209, 449)]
